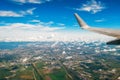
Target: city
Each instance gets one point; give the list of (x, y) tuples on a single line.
[(59, 61)]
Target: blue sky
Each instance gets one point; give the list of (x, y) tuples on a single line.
[(48, 17)]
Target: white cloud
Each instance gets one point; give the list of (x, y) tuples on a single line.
[(35, 20), (42, 23), (27, 32), (39, 32), (100, 20), (92, 6), (10, 14), (31, 1), (61, 24), (49, 23), (16, 14), (29, 11), (29, 27)]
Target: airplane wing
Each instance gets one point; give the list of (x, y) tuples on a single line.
[(109, 32)]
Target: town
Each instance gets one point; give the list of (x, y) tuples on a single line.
[(60, 61)]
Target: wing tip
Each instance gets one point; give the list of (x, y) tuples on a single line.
[(80, 21)]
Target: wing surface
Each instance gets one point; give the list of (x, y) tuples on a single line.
[(109, 32)]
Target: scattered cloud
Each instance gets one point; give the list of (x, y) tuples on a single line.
[(35, 21), (42, 23), (61, 24), (100, 20), (32, 1), (29, 27), (10, 14), (7, 13), (92, 6), (29, 11), (50, 23)]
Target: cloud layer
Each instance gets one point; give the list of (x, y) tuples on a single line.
[(39, 32), (27, 32), (92, 6)]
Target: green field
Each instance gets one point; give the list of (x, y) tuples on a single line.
[(58, 75), (4, 73)]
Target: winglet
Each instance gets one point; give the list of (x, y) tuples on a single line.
[(81, 22)]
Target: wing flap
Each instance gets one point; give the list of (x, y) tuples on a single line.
[(109, 32)]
